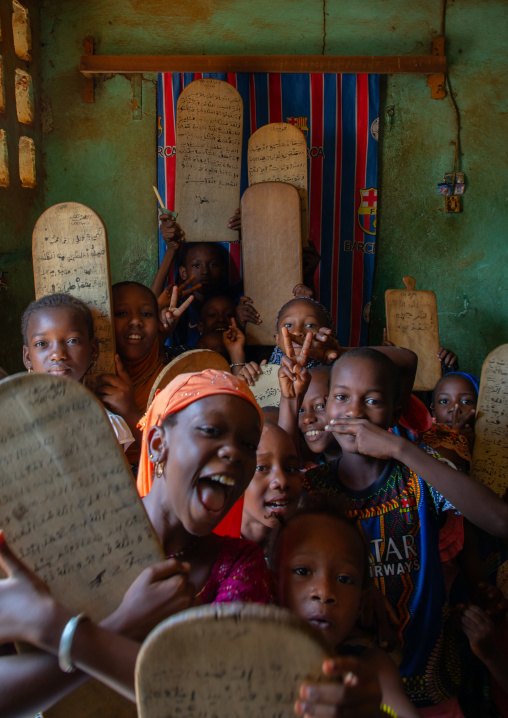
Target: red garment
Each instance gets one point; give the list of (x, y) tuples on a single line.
[(416, 416), (239, 574)]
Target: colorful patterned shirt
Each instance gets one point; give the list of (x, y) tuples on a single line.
[(401, 514)]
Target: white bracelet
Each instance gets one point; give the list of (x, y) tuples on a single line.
[(66, 639), (239, 364)]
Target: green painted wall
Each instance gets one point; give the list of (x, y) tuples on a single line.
[(99, 155)]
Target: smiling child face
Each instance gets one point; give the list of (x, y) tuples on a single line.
[(209, 457), (136, 321), (321, 563), (277, 485), (312, 416)]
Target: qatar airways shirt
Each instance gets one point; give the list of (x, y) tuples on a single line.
[(400, 515)]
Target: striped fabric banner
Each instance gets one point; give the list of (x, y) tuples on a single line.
[(338, 115)]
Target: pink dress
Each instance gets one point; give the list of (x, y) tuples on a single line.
[(239, 574)]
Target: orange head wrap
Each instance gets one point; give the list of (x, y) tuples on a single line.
[(179, 393)]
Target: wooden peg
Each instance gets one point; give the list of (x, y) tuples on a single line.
[(409, 283), (88, 82)]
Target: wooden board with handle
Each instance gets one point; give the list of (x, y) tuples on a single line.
[(272, 252), (70, 255), (278, 153), (190, 361), (209, 127), (69, 509), (490, 453), (411, 322), (228, 661)]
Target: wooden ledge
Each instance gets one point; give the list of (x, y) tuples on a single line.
[(91, 65)]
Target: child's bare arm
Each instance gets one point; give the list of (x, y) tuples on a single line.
[(29, 613), (172, 236), (475, 501)]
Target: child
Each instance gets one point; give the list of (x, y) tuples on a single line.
[(58, 339), (454, 403), (139, 357), (207, 264), (199, 441), (312, 419), (321, 561), (276, 486), (391, 487)]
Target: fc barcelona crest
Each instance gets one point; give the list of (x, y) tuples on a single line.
[(367, 210)]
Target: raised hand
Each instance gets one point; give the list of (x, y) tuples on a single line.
[(233, 338), (171, 232), (169, 314), (294, 378), (447, 356), (300, 290), (235, 222), (324, 347), (246, 312), (116, 391)]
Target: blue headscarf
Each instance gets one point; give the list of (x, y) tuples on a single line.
[(471, 378)]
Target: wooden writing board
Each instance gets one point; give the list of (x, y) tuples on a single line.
[(490, 453), (227, 661), (209, 126), (193, 360), (267, 387), (411, 322), (70, 509), (70, 255), (271, 252), (278, 153)]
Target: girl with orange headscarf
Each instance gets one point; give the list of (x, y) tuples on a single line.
[(198, 455)]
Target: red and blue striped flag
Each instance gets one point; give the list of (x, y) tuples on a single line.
[(338, 115)]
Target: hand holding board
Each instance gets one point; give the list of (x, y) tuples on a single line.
[(490, 453), (70, 510), (267, 386), (209, 126), (411, 322), (271, 252), (229, 660), (278, 153), (70, 255)]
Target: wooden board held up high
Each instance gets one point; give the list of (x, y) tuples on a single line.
[(70, 255), (209, 126), (229, 660), (271, 252), (278, 153), (70, 510), (490, 454), (411, 322)]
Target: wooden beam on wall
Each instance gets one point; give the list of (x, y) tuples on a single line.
[(91, 65)]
